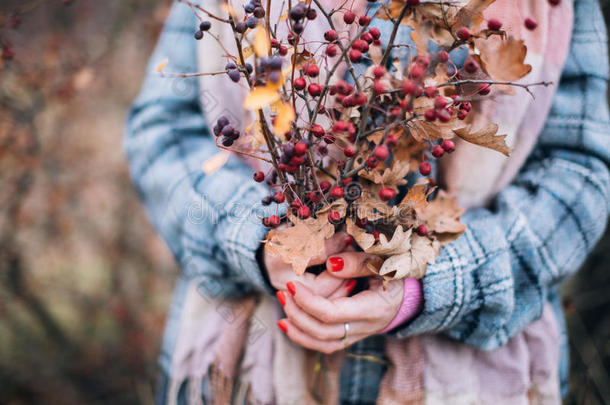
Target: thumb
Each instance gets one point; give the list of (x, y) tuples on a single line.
[(353, 264)]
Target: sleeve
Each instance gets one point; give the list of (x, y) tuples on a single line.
[(494, 280), (211, 223)]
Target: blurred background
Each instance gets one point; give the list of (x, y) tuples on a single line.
[(84, 281)]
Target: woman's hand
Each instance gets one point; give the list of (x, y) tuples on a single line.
[(323, 284), (318, 323)]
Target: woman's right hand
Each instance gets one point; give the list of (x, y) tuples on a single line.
[(324, 284)]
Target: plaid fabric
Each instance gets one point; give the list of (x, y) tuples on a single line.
[(485, 287)]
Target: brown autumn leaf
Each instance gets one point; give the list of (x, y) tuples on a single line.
[(392, 176), (442, 215), (261, 97), (411, 259), (284, 119), (485, 137), (502, 59), (434, 131), (369, 206), (363, 239), (471, 15), (417, 197), (298, 244)]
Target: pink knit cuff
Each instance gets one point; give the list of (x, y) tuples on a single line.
[(412, 300)]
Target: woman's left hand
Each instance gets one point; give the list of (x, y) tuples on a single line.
[(318, 323)]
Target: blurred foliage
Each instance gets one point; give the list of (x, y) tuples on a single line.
[(84, 281)]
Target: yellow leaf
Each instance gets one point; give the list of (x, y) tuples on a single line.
[(162, 65), (215, 162), (262, 45), (284, 119), (248, 51), (261, 97)]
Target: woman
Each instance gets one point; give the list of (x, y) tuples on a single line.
[(486, 316)]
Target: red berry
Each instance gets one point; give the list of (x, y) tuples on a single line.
[(554, 2), (312, 70), (331, 50), (381, 152), (331, 35), (484, 89), (442, 56), (300, 148), (407, 87), (530, 23), (329, 139), (413, 2), (297, 160), (355, 55), (314, 89), (318, 131), (303, 212), (347, 180), (283, 50), (364, 20), (372, 162), (368, 37), (430, 91), (416, 71), (438, 151), (359, 99), (314, 196), (361, 45), (336, 192), (471, 66), (463, 34), (259, 176), (378, 72), (466, 105), (375, 235), (440, 102), (325, 185), (430, 114), (422, 230), (334, 217), (462, 114), (425, 168), (349, 17), (378, 87), (279, 198), (444, 115), (296, 203), (375, 33), (448, 145), (274, 221), (494, 24), (348, 151), (391, 140), (361, 222), (387, 194), (340, 126), (299, 83)]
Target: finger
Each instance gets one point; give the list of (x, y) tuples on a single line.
[(345, 290), (316, 329), (353, 264), (364, 306), (323, 284), (303, 339)]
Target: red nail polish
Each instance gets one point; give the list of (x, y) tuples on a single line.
[(291, 288), (336, 263), (282, 326), (281, 297), (350, 285)]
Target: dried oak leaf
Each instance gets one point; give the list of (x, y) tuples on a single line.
[(298, 244), (369, 206), (363, 239), (502, 59), (413, 263), (442, 216), (284, 119), (471, 15), (485, 137), (392, 176)]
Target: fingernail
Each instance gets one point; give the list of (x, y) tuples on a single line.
[(291, 288), (348, 240), (282, 326), (350, 285), (336, 263), (281, 297)]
